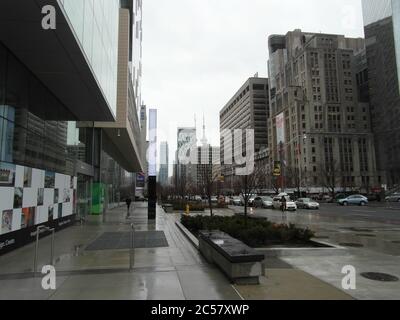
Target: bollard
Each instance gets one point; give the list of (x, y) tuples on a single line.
[(132, 249)]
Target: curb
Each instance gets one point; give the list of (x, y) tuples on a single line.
[(314, 252), (193, 240)]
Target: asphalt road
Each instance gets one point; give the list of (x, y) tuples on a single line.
[(375, 212), (386, 213), (376, 227)]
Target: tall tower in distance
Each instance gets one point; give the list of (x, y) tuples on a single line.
[(164, 164), (204, 141)]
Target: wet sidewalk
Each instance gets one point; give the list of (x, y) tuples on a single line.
[(88, 267), (173, 272)]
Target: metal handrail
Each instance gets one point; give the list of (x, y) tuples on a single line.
[(35, 259)]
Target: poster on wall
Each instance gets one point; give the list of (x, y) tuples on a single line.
[(28, 217), (6, 221), (27, 177), (18, 197), (7, 174), (50, 214), (30, 196), (40, 197), (49, 180)]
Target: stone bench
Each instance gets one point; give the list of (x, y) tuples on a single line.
[(240, 263)]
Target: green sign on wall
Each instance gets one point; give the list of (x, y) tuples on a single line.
[(98, 198)]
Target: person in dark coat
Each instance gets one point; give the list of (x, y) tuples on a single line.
[(128, 204), (283, 204)]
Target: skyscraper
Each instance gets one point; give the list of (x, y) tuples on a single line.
[(382, 36), (186, 157), (317, 125), (247, 109), (164, 164)]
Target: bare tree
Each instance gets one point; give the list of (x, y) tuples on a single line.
[(329, 175), (294, 177), (249, 184), (208, 180)]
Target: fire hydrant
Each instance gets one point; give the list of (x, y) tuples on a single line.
[(187, 209)]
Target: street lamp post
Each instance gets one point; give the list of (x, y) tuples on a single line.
[(282, 167)]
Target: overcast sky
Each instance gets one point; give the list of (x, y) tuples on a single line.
[(197, 53)]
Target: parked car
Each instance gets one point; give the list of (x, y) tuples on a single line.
[(236, 201), (395, 197), (250, 200), (354, 200), (307, 203), (290, 204), (263, 202), (214, 199)]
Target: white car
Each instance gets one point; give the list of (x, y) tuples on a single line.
[(290, 204), (307, 203)]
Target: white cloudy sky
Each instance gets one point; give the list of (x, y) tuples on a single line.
[(197, 53)]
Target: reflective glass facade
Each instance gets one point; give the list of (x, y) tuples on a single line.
[(396, 31), (375, 10), (32, 132), (95, 23), (136, 59), (382, 34)]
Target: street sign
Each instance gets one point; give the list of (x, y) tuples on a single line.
[(277, 169)]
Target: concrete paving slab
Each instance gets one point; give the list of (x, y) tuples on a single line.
[(291, 284)]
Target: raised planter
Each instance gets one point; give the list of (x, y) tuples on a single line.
[(240, 263)]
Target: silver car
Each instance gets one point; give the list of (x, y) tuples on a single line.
[(263, 202), (356, 199), (307, 203), (395, 197)]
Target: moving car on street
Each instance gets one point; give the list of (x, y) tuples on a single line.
[(356, 199), (395, 197), (290, 204), (263, 202), (307, 203)]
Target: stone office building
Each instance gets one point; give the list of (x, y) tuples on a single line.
[(247, 109), (317, 123)]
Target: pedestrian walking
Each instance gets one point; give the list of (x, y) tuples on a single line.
[(128, 204), (283, 204)]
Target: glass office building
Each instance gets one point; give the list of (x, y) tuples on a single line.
[(54, 163), (95, 23), (382, 35)]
